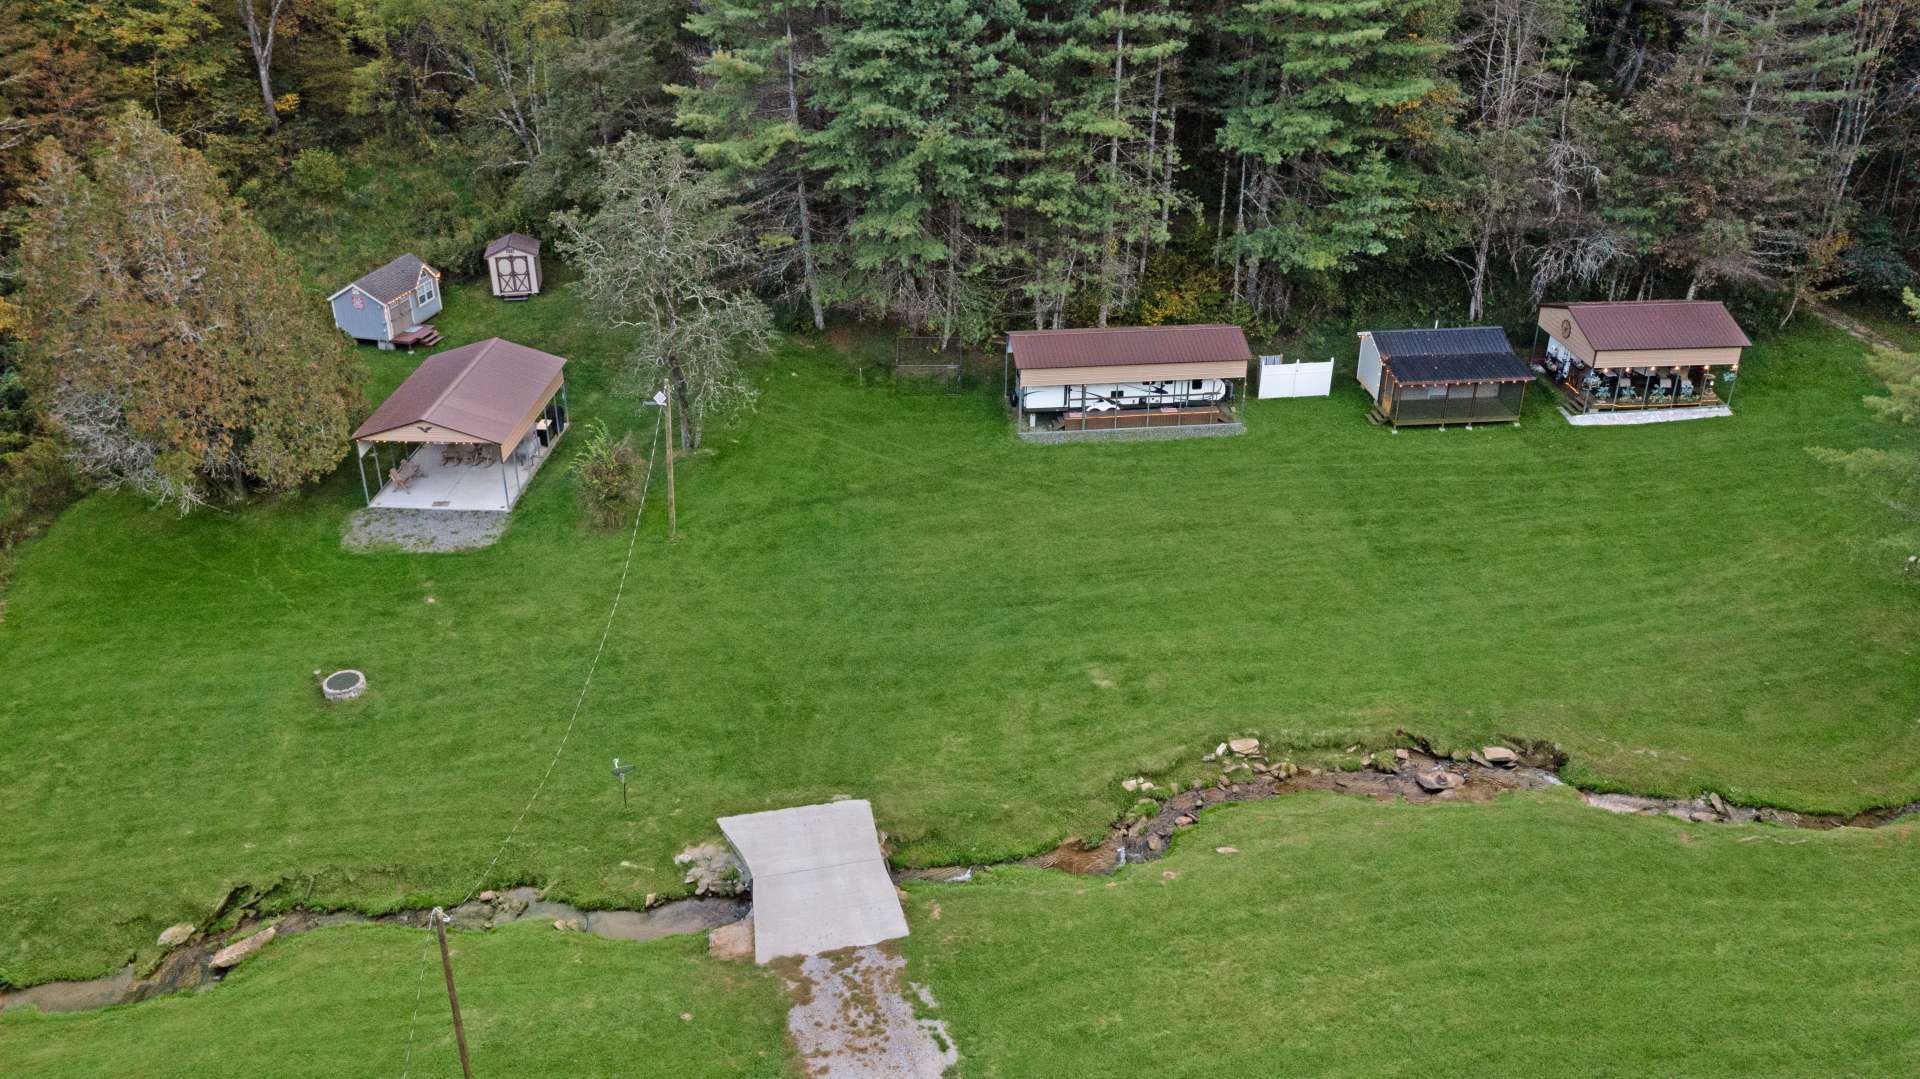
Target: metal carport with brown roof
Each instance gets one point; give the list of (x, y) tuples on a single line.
[(503, 404), (1653, 359), (1125, 377)]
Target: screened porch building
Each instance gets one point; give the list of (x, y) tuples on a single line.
[(466, 431), (1461, 375)]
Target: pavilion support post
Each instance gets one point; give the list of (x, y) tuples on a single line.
[(360, 466), (504, 492)]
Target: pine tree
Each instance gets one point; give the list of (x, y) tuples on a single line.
[(916, 145), (1099, 182), (749, 114), (1721, 176), (1327, 103)]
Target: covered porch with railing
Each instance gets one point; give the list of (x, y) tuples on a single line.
[(1635, 389)]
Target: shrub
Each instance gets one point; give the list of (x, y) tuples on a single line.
[(318, 174), (608, 474)]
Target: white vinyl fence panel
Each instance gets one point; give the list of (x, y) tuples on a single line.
[(1278, 378)]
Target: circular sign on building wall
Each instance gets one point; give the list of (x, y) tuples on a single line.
[(359, 302), (1566, 327)]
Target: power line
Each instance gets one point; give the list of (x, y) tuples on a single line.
[(606, 630)]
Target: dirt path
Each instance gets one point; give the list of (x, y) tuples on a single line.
[(852, 1017), (1856, 328)]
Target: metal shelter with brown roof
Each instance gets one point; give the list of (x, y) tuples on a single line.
[(1130, 346), (1653, 359), (482, 418), (489, 392), (1126, 377), (1645, 333)]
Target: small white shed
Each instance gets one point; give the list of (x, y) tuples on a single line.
[(513, 265)]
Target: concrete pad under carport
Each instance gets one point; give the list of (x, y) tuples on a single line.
[(820, 882)]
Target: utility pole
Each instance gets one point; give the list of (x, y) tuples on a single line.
[(673, 524), (440, 921)]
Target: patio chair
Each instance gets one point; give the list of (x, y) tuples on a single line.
[(449, 455)]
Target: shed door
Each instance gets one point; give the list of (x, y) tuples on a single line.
[(512, 273)]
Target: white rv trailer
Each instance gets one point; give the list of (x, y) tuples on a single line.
[(1113, 396)]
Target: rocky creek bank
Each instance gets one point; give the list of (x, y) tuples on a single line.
[(199, 960), (1242, 771)]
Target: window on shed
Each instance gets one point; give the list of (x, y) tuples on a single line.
[(424, 294)]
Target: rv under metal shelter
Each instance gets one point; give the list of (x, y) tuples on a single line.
[(1641, 361), (1063, 383)]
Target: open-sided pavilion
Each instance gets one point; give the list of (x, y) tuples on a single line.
[(466, 431)]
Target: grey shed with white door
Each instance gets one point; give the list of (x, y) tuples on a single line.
[(513, 266)]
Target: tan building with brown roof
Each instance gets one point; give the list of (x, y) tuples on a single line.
[(1126, 377), (1643, 356)]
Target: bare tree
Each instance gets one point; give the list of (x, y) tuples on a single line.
[(663, 255), (260, 34)]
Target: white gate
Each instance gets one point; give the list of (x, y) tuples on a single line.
[(1278, 378)]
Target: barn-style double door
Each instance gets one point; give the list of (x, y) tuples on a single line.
[(512, 273)]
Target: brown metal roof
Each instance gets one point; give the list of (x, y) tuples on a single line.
[(485, 390), (1657, 324), (513, 241), (1132, 345)]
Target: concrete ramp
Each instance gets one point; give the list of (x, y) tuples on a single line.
[(820, 882)]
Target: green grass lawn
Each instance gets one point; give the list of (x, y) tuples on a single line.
[(890, 597), (1530, 936), (340, 1001)]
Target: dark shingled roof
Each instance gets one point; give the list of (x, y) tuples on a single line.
[(1460, 354), (517, 241), (483, 390), (1035, 349), (393, 280), (1657, 324)]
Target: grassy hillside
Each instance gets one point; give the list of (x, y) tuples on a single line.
[(892, 598), (1531, 936)]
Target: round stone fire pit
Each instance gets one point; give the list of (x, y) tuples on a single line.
[(343, 685)]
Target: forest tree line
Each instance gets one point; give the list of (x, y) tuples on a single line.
[(969, 165)]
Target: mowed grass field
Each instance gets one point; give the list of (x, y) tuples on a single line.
[(342, 1001), (890, 597), (1529, 936)]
